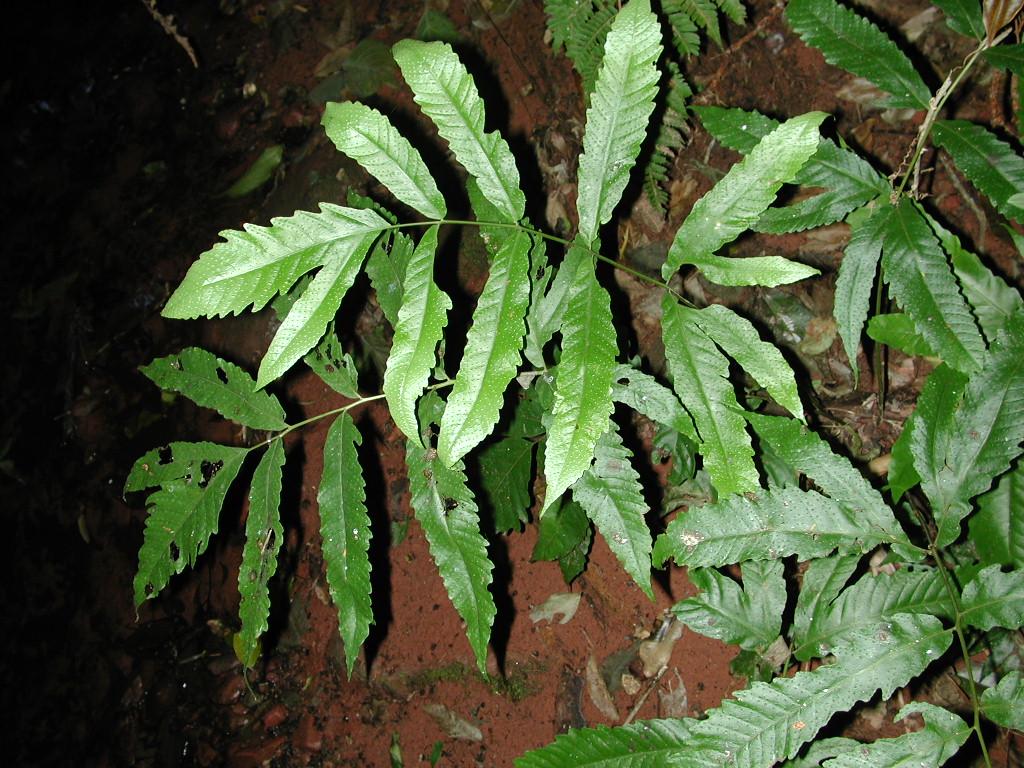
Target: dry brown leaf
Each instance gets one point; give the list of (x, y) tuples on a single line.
[(452, 724), (598, 691)]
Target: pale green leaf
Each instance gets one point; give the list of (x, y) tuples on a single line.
[(997, 527), (806, 452), (264, 536), (822, 582), (964, 17), (446, 94), (307, 320), (334, 366), (345, 534), (620, 109), (897, 330), (611, 495), (941, 738), (213, 383), (920, 279), (547, 309), (992, 165), (853, 286), (257, 174), (850, 41), (254, 265), (365, 135), (766, 271), (644, 394), (583, 387), (1004, 704), (958, 455), (421, 321), (740, 340), (492, 352), (850, 182), (700, 374), (994, 599), (647, 744), (764, 526), (736, 202), (769, 722), (386, 266), (870, 600), (193, 479), (505, 473), (749, 616), (450, 520)]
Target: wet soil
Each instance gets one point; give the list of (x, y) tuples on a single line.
[(116, 153)]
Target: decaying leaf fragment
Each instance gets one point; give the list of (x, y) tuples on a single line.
[(563, 605), (453, 725), (598, 690)]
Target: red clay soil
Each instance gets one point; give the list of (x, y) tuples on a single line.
[(117, 150)]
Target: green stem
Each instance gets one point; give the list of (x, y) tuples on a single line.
[(958, 628)]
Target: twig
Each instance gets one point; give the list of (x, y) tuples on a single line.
[(167, 22), (650, 687)]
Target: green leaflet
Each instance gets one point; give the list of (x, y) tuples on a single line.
[(740, 340), (963, 17), (735, 128), (766, 271), (806, 452), (258, 174), (193, 479), (581, 27), (506, 475), (850, 41), (919, 278), (449, 517), (365, 135), (565, 527), (583, 388), (822, 582), (700, 378), (386, 266), (254, 265), (897, 330), (642, 392), (492, 353), (1004, 704), (870, 600), (992, 165), (421, 321), (620, 109), (993, 301), (345, 534), (610, 493), (769, 722), (994, 599), (1005, 56), (264, 536), (650, 744), (749, 616), (309, 317), (213, 383), (943, 734), (446, 94), (736, 202), (764, 526), (334, 366), (853, 286), (851, 182), (997, 527), (547, 310), (960, 447)]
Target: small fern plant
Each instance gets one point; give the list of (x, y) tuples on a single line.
[(543, 328)]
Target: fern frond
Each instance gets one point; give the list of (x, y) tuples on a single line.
[(446, 511), (583, 387), (700, 374), (193, 479), (940, 739), (993, 166), (345, 533), (611, 495), (649, 744), (764, 525), (492, 352), (421, 321), (264, 536), (581, 27), (769, 722), (620, 108), (749, 616), (857, 272)]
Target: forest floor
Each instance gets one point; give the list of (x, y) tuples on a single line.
[(117, 150)]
